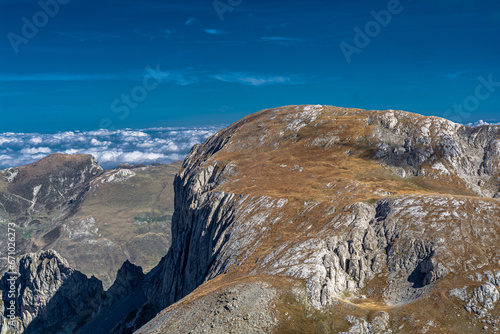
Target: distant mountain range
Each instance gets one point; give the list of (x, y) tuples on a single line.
[(97, 219), (300, 219)]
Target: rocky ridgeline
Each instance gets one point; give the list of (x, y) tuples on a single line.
[(410, 235), (438, 148), (389, 219), (47, 184), (96, 219), (52, 296), (48, 291)]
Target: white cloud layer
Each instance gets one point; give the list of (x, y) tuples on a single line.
[(481, 122), (110, 148)]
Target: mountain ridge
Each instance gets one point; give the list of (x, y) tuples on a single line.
[(96, 218), (247, 205), (223, 175), (342, 220)]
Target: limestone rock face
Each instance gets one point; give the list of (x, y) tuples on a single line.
[(376, 208), (339, 220), (51, 296), (49, 291)]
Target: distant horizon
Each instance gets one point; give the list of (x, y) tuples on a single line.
[(112, 147), (472, 121), (477, 121)]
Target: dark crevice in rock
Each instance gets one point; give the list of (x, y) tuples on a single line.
[(382, 210), (422, 274)]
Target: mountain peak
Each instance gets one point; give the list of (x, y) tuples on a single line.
[(319, 217), (50, 182), (57, 163), (370, 147), (373, 210)]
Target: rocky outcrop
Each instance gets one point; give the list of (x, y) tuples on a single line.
[(379, 324), (240, 309), (128, 279), (481, 299), (378, 215), (50, 293), (339, 198)]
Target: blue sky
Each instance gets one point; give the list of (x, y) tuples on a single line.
[(181, 65)]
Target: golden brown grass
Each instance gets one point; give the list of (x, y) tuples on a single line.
[(286, 165)]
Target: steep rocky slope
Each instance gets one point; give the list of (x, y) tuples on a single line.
[(318, 219), (375, 211), (51, 297), (96, 219)]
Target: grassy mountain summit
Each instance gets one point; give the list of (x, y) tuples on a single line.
[(350, 220), (310, 219)]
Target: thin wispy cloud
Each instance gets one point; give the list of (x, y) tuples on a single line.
[(280, 38), (149, 35), (167, 33), (178, 7), (179, 77), (252, 80), (190, 21), (455, 75), (214, 31), (192, 76)]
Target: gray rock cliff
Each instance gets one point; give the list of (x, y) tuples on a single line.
[(415, 209), (342, 220)]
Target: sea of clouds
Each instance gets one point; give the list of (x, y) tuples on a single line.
[(480, 123), (110, 148)]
